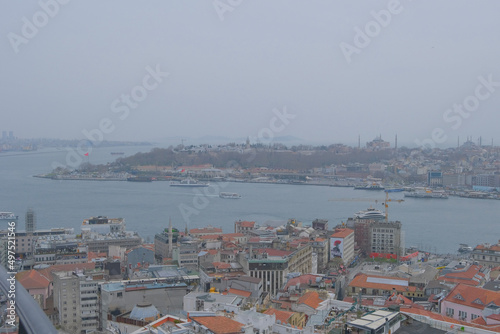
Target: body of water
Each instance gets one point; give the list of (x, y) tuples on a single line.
[(431, 224)]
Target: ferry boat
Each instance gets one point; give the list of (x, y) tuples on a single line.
[(371, 213), (372, 186), (229, 195), (189, 182), (426, 193), (464, 248)]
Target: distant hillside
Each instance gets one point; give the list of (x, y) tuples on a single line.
[(252, 158)]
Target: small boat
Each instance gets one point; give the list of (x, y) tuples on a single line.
[(117, 153), (189, 182), (229, 195), (464, 248)]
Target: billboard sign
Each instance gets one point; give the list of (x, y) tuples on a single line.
[(336, 248)]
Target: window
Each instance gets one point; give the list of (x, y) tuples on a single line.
[(450, 312), (462, 315), (473, 316)]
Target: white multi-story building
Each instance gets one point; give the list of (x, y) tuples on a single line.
[(103, 225), (76, 298), (342, 245)]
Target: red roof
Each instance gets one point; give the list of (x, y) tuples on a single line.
[(282, 316), (472, 276), (220, 325), (210, 237), (221, 265), (205, 230), (311, 299), (246, 224), (33, 279), (238, 292), (361, 281), (274, 252), (470, 296), (342, 233), (495, 248)]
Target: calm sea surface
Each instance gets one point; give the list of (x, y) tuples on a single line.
[(434, 225)]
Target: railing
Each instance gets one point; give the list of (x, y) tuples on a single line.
[(32, 319)]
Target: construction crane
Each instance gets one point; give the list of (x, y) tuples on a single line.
[(385, 203)]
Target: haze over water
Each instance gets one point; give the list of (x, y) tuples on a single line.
[(434, 225)]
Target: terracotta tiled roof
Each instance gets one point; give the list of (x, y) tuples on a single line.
[(33, 279), (495, 248), (246, 224), (360, 281), (342, 233), (210, 237), (221, 265), (472, 276), (274, 252), (471, 296), (205, 230), (282, 316), (220, 325), (311, 299), (238, 292)]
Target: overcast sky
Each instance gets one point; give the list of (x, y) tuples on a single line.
[(231, 62)]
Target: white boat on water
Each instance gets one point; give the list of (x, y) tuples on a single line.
[(370, 186), (371, 213), (189, 182), (229, 195), (464, 248), (426, 193)]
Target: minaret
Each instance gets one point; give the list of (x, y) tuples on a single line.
[(169, 237), (359, 141), (396, 142)]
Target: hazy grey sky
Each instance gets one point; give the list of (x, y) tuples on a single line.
[(231, 62)]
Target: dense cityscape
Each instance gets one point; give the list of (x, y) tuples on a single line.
[(249, 167), (356, 275)]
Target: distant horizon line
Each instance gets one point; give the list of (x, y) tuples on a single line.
[(287, 141)]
